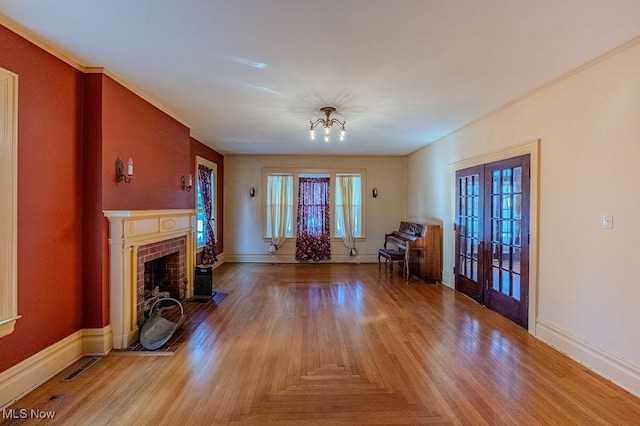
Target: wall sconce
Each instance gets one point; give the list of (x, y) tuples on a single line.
[(120, 175), (374, 192), (186, 185), (252, 192)]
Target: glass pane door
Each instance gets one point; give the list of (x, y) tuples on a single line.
[(469, 232), (492, 236), (508, 230)]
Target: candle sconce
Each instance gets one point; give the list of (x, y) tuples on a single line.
[(120, 174), (186, 185)]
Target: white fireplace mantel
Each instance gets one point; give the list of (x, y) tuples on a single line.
[(128, 230)]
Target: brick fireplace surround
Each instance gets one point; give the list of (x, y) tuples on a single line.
[(134, 236), (155, 251)]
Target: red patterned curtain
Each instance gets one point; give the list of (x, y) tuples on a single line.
[(312, 238), (209, 252)]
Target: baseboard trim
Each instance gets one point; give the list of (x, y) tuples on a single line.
[(22, 378), (447, 279), (221, 259), (607, 364), (97, 341), (290, 258)]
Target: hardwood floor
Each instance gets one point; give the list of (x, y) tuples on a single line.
[(339, 344)]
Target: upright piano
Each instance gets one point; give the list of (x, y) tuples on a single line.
[(421, 248)]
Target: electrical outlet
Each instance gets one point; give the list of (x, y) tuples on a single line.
[(607, 222)]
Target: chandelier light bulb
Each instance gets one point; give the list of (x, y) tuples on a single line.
[(327, 123)]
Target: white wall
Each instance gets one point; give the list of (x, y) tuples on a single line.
[(243, 214), (588, 122)]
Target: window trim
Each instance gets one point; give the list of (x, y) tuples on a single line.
[(214, 167), (9, 203), (297, 172)]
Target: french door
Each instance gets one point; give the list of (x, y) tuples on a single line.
[(492, 236)]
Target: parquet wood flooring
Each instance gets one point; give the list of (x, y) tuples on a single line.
[(339, 345)]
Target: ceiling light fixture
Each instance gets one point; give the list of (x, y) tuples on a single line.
[(327, 123)]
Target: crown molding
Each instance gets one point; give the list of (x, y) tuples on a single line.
[(153, 100), (32, 38), (70, 60), (613, 52)]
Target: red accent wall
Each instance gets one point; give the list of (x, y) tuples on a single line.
[(49, 198), (158, 145), (95, 296), (71, 128)]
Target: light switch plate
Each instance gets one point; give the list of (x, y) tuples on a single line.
[(607, 221)]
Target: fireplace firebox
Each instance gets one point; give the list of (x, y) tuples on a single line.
[(161, 273)]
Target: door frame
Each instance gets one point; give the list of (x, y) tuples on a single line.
[(532, 148)]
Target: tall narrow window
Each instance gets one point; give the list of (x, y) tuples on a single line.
[(205, 216), (200, 217), (349, 210), (279, 208), (312, 238)]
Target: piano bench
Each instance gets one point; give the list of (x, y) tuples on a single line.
[(390, 256)]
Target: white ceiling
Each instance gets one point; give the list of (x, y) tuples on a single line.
[(247, 76)]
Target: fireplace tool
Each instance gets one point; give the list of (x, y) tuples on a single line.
[(157, 330)]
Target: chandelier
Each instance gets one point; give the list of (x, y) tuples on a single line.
[(327, 123)]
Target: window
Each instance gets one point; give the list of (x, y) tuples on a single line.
[(201, 217), (356, 178), (8, 201), (279, 204), (313, 198), (314, 219), (353, 205)]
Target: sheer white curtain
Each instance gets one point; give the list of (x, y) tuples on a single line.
[(279, 209), (347, 210)]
